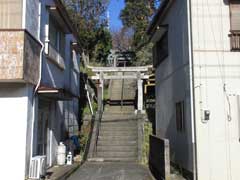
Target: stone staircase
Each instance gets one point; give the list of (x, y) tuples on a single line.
[(118, 138), (118, 134), (128, 86)]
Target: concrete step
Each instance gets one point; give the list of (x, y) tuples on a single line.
[(119, 142), (117, 138), (120, 112), (118, 123), (125, 89), (124, 131), (117, 149), (122, 159), (118, 133), (108, 120), (119, 98), (118, 128), (118, 91), (116, 104), (117, 109), (117, 154), (119, 115)]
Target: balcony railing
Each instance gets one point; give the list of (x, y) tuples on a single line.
[(55, 57), (19, 57), (235, 40)]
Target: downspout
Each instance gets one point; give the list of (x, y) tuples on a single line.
[(39, 80), (192, 92)]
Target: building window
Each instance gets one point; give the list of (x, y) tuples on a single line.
[(56, 37), (180, 116), (160, 50), (235, 25)]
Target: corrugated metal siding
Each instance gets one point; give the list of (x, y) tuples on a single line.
[(10, 14)]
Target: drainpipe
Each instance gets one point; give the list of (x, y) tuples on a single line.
[(192, 92), (39, 80)]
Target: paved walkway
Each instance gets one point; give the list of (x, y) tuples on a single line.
[(111, 171)]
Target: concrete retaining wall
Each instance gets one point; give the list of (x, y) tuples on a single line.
[(159, 160)]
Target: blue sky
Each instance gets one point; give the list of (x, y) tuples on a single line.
[(114, 10)]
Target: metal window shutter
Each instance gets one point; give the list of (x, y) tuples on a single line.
[(235, 15)]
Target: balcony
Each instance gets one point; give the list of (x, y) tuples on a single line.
[(235, 40), (19, 57), (55, 56)]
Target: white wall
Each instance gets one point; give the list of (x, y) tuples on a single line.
[(62, 117), (214, 66), (53, 76), (15, 114), (172, 86)]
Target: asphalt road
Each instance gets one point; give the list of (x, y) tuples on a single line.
[(111, 171)]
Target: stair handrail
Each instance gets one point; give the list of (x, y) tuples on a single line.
[(95, 133), (99, 119), (87, 153)]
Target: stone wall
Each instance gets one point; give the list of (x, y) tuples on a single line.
[(19, 57), (11, 55)]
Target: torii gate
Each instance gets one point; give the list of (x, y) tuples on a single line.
[(102, 74)]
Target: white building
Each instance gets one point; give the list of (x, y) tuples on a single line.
[(197, 61), (39, 82)]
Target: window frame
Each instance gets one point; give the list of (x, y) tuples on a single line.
[(60, 42), (158, 58), (180, 116)]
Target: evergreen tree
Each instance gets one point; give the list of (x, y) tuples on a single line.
[(89, 17), (137, 15)]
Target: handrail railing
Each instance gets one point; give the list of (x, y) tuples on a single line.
[(87, 147), (99, 119), (235, 40), (94, 135)]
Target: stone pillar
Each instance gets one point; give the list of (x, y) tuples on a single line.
[(100, 92), (115, 61), (140, 94)]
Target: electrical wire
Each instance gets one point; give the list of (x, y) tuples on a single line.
[(222, 75), (206, 93)]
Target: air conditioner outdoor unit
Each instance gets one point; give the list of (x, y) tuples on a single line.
[(37, 167)]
